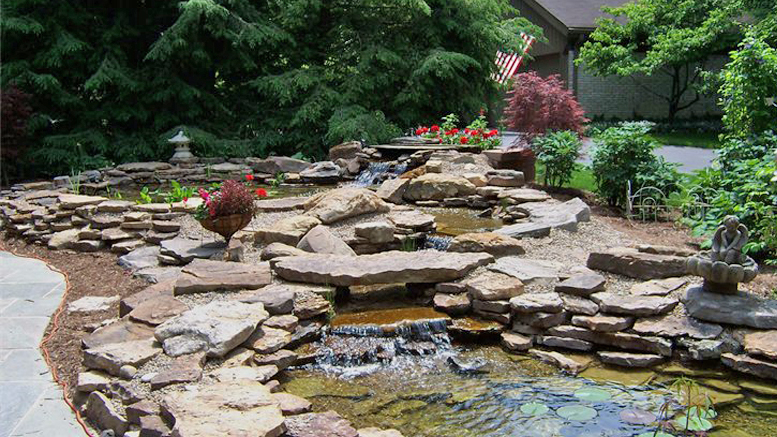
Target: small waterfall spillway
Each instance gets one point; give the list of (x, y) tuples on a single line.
[(377, 172)]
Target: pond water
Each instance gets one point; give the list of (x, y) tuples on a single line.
[(157, 191), (457, 221)]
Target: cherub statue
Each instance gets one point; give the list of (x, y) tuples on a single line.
[(728, 241)]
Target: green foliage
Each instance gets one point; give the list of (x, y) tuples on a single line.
[(178, 193), (145, 196), (112, 82), (624, 154), (557, 151)]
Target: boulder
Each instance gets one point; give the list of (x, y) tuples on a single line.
[(537, 302), (288, 230), (435, 186), (320, 240), (601, 323), (205, 275), (327, 424), (582, 285), (505, 178), (393, 190), (629, 305), (672, 325), (751, 365), (489, 286), (631, 262), (528, 270), (381, 268), (342, 203), (763, 343), (185, 250), (490, 242), (277, 250), (215, 328), (375, 232), (241, 407), (348, 150), (324, 172), (111, 357), (629, 359), (742, 309), (453, 304)]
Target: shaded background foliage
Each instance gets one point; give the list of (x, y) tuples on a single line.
[(109, 81)]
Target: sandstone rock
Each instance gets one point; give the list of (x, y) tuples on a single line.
[(375, 232), (73, 201), (505, 178), (676, 326), (153, 426), (288, 230), (491, 306), (206, 275), (131, 302), (708, 349), (102, 413), (328, 424), (276, 298), (565, 343), (496, 244), (185, 250), (630, 305), (282, 204), (627, 359), (116, 234), (244, 408), (524, 195), (87, 245), (91, 380), (291, 404), (63, 239), (277, 250), (267, 340), (321, 241), (286, 322), (117, 332), (601, 323), (137, 216), (153, 208), (139, 409), (493, 286), (274, 164), (742, 309), (281, 359), (89, 304), (453, 304), (537, 302), (541, 319), (582, 285), (579, 305), (111, 357), (434, 186), (157, 310), (633, 263), (516, 342), (657, 287), (377, 432), (763, 343), (105, 221), (136, 226), (216, 328), (165, 226), (503, 318), (412, 221), (308, 305), (547, 215), (185, 368), (115, 206), (324, 172), (347, 150), (751, 365), (141, 258), (139, 167), (386, 267), (392, 190), (621, 340), (528, 270), (559, 360), (451, 287), (342, 203), (476, 179), (244, 373)]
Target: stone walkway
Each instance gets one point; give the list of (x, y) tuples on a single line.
[(30, 402)]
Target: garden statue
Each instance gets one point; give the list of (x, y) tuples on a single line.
[(725, 265), (183, 154)]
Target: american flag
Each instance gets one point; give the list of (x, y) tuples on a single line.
[(508, 63)]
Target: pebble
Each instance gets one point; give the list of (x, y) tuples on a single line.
[(127, 371)]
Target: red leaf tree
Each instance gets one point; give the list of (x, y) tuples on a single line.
[(536, 105)]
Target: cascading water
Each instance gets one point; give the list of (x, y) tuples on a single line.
[(377, 172), (438, 242)]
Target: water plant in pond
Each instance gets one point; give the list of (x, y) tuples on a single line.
[(697, 407), (534, 409), (637, 416), (593, 394), (579, 413)]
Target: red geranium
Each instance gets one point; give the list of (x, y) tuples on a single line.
[(261, 192), (249, 177), (455, 130), (435, 128), (464, 140)]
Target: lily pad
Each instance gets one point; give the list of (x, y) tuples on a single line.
[(577, 412), (534, 409), (635, 416), (693, 423), (654, 434), (593, 394), (704, 413)]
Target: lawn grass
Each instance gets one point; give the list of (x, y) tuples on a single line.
[(705, 140), (582, 177)]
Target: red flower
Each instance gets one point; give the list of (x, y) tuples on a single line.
[(463, 140), (435, 128), (185, 199), (455, 130), (249, 177), (494, 132), (261, 192), (421, 130)]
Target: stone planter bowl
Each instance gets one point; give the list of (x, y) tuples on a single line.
[(227, 226), (719, 272)]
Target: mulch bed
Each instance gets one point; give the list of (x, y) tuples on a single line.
[(89, 274)]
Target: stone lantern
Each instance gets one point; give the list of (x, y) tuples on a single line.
[(182, 153)]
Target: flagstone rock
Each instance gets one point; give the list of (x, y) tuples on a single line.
[(490, 242), (327, 424), (392, 190), (493, 286), (291, 404), (88, 304), (216, 328), (381, 268), (375, 232), (116, 234), (102, 413), (579, 305), (92, 380), (73, 201), (140, 167), (105, 221), (286, 322), (524, 195), (492, 306), (528, 270), (206, 275), (542, 319), (453, 304), (436, 186), (186, 368), (244, 408), (87, 245), (602, 323), (412, 221), (343, 203), (288, 230), (377, 432), (516, 342), (565, 343), (619, 340), (630, 305), (628, 359), (547, 215), (276, 298), (244, 373), (763, 343), (141, 258), (282, 204), (118, 332), (559, 360), (751, 365), (63, 239), (676, 326), (131, 302), (308, 305), (631, 262), (274, 164), (185, 250), (742, 309), (153, 208), (281, 359), (658, 287), (277, 250), (266, 340), (157, 310), (111, 357), (537, 302), (114, 206), (322, 241), (582, 285)]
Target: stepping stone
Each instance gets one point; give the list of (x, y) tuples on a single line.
[(582, 285), (244, 373), (493, 286), (579, 305), (630, 305), (628, 359), (565, 343), (279, 205), (242, 405), (328, 424), (631, 262), (73, 201), (742, 309), (750, 365), (186, 368), (490, 242), (603, 323), (453, 304), (111, 357), (216, 328), (528, 270), (157, 310), (657, 287), (118, 332), (537, 302), (676, 326), (559, 360), (205, 275), (516, 342), (548, 215), (90, 304), (185, 250), (382, 268), (763, 343), (291, 404)]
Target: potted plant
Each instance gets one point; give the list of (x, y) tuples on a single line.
[(227, 209)]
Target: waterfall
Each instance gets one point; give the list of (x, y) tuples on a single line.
[(378, 172), (438, 242)]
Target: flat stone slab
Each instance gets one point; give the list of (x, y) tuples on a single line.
[(762, 343), (342, 203), (751, 365), (631, 262), (547, 215), (205, 275), (382, 268), (327, 424), (582, 285), (628, 359), (629, 305), (278, 205), (579, 305), (73, 201), (537, 302), (157, 310), (657, 287), (527, 270), (111, 357), (490, 286), (559, 360), (676, 326), (742, 309), (88, 304), (185, 250), (141, 258), (602, 323), (117, 332)]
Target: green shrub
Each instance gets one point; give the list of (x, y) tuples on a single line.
[(625, 153), (557, 151)]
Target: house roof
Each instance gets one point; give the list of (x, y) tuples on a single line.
[(578, 15)]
